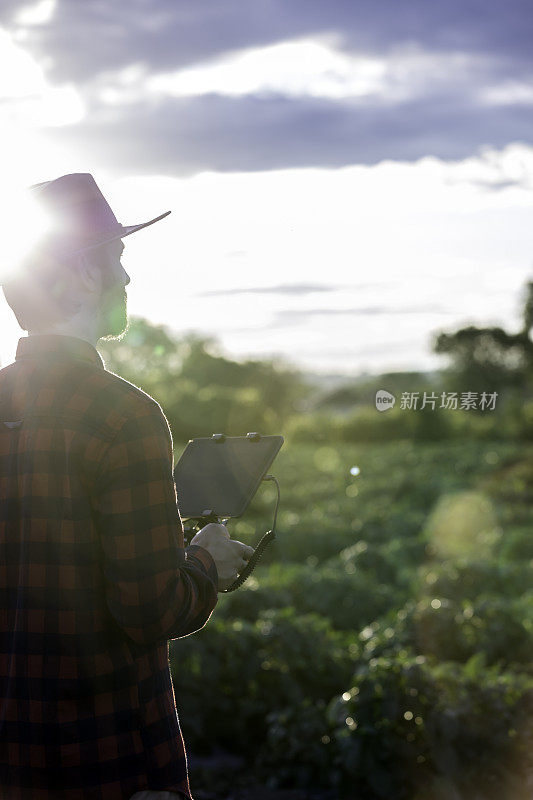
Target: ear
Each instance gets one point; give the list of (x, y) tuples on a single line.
[(89, 272)]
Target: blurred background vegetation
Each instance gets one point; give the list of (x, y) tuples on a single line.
[(384, 646)]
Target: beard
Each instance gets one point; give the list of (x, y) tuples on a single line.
[(113, 317)]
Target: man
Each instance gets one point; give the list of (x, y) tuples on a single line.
[(94, 578)]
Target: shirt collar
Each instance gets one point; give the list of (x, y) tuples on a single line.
[(57, 346)]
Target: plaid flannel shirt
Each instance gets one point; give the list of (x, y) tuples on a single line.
[(94, 581)]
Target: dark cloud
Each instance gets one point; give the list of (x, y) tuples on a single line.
[(90, 36), (181, 136), (187, 135)]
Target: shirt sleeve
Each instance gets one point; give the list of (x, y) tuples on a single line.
[(155, 588)]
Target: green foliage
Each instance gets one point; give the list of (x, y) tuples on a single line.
[(297, 750), (499, 630), (362, 591), (249, 670), (406, 729), (364, 424), (362, 392), (403, 723), (517, 544), (512, 422), (464, 579), (486, 359), (493, 360), (347, 599), (383, 646), (200, 390), (325, 508)]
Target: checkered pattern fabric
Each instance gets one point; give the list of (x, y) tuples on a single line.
[(94, 581)]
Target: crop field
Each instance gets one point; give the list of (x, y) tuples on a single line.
[(383, 647)]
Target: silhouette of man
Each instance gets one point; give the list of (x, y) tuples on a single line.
[(94, 577)]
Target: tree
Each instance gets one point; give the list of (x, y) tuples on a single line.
[(200, 390), (491, 359)]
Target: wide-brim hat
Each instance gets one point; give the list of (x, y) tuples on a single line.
[(78, 215)]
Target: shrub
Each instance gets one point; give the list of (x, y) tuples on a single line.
[(495, 629), (229, 677), (348, 600), (403, 723), (405, 728), (468, 579), (516, 544), (297, 750)]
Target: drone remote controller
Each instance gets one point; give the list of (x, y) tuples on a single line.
[(216, 479)]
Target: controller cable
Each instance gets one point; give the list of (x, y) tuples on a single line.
[(268, 537)]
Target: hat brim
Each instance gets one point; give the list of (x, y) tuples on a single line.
[(118, 233)]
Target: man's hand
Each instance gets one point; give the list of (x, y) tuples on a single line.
[(230, 556)]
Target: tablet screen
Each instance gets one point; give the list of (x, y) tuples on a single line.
[(222, 476)]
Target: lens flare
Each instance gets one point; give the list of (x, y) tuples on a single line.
[(463, 524), (25, 223)]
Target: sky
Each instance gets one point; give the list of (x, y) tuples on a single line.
[(346, 178)]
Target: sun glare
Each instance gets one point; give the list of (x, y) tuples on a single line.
[(20, 76), (25, 223), (29, 104)]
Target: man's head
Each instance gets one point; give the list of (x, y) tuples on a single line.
[(87, 289), (73, 280)]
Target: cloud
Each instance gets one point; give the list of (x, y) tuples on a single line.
[(39, 13), (182, 136), (303, 68), (315, 67), (179, 88), (282, 289), (288, 316), (28, 100), (86, 38), (508, 93), (495, 170)]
